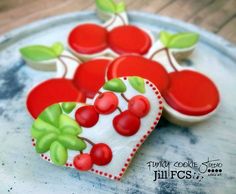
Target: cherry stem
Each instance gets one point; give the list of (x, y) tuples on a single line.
[(123, 96), (72, 58), (119, 109), (114, 19), (121, 18), (156, 52), (169, 59), (64, 65), (87, 140), (99, 92), (81, 152), (168, 56)]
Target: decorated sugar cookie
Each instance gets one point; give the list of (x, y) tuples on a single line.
[(113, 38), (191, 96), (74, 80), (101, 137)]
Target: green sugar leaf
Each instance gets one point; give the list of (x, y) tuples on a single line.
[(66, 122), (67, 107), (38, 53), (51, 114), (115, 85), (71, 142), (165, 37), (137, 83), (58, 48), (106, 5), (41, 127), (120, 7), (183, 40), (58, 153), (43, 143)]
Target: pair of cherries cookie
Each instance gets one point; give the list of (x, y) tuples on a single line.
[(95, 98)]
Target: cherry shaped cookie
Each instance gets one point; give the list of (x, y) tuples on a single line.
[(65, 86), (113, 38), (61, 138), (191, 96)]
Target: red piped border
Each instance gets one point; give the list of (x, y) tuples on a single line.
[(134, 150)]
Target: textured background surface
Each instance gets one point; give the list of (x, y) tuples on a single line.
[(22, 171), (218, 16)]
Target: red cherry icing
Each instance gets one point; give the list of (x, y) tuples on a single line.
[(129, 39), (90, 76), (88, 38), (191, 93), (135, 65), (50, 92)]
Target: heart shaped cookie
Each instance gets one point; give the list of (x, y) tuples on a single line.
[(101, 137)]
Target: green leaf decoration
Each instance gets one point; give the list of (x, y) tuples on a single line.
[(42, 53), (58, 153), (179, 40), (120, 7), (115, 85), (72, 142), (51, 114), (183, 40), (165, 37), (56, 132), (38, 53), (137, 83), (58, 48), (41, 127), (67, 122), (67, 107), (43, 143), (106, 5)]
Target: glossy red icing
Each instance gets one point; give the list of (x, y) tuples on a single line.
[(191, 93), (90, 76), (50, 92), (135, 65), (88, 38), (129, 39)]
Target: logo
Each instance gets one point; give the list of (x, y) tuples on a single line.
[(189, 169)]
